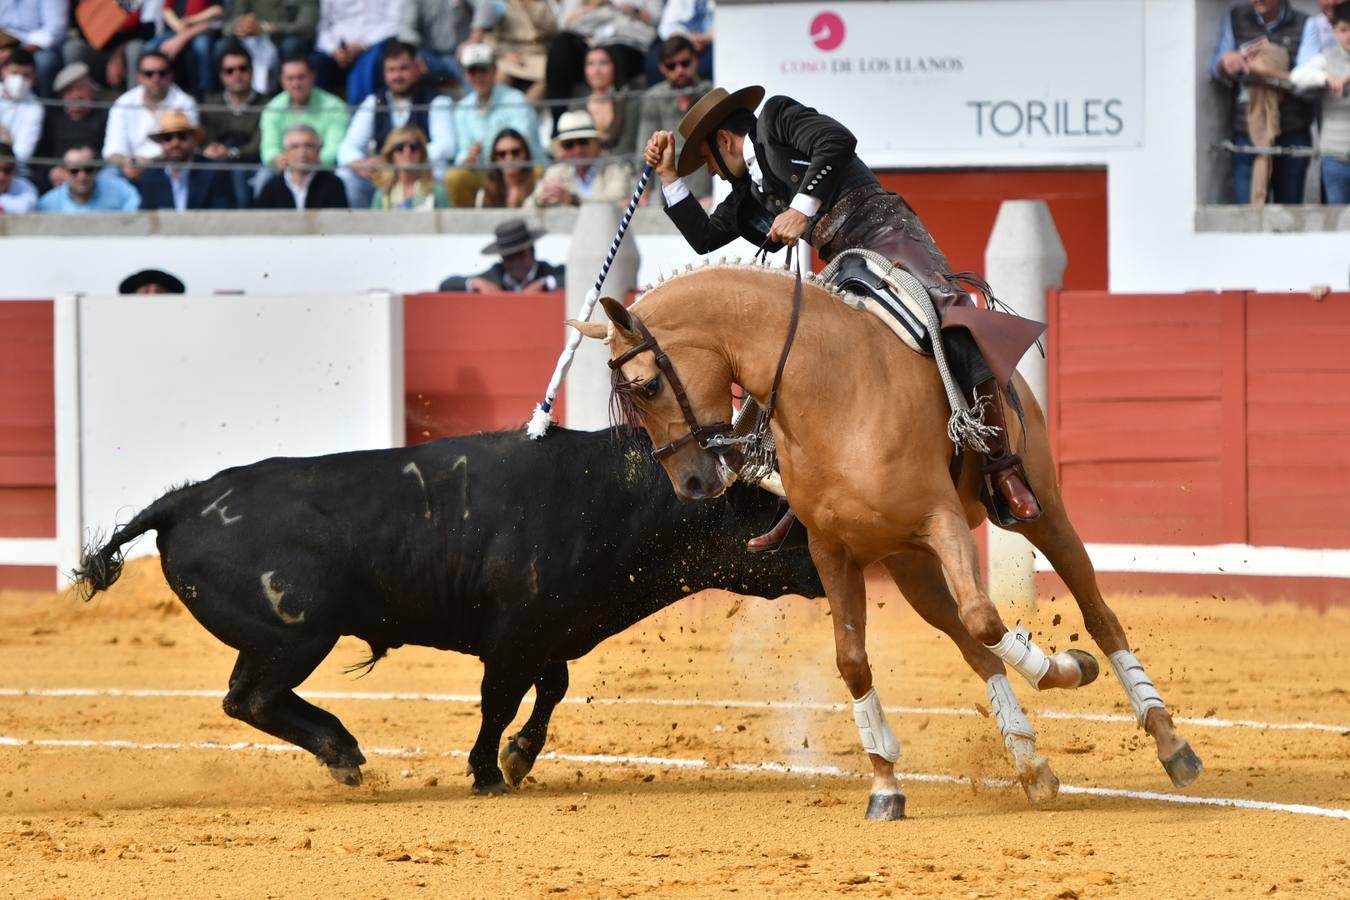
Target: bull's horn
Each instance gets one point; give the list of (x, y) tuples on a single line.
[(597, 330)]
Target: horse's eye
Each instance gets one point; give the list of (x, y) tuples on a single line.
[(649, 389)]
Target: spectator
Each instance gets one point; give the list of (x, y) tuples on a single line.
[(1322, 22), (176, 185), (116, 55), (521, 40), (349, 39), (84, 192), (438, 28), (691, 20), (518, 269), (135, 114), (406, 181), (404, 100), (150, 281), (511, 179), (75, 123), (232, 123), (300, 101), (1258, 32), (580, 176), (664, 104), (1330, 69), (301, 185), (273, 30), (194, 26), (615, 118), (38, 27), (20, 111), (17, 194), (480, 116), (627, 26)]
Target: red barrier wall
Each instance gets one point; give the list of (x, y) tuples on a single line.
[(27, 433)]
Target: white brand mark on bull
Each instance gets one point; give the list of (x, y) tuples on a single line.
[(274, 597), (225, 517), (463, 463), (411, 469)]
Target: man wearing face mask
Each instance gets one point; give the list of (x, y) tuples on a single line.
[(20, 111)]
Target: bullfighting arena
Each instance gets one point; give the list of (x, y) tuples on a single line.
[(701, 752)]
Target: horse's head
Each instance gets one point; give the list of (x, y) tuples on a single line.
[(679, 392)]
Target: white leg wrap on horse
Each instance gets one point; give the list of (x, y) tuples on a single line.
[(875, 731), (1138, 686), (1019, 651), (1012, 722)]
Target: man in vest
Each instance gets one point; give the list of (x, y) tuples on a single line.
[(794, 175), (404, 101)]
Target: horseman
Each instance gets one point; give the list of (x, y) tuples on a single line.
[(795, 174)]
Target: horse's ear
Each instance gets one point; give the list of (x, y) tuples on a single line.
[(597, 330), (619, 315)]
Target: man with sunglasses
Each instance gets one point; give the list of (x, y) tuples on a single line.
[(664, 104), (75, 123), (135, 115), (480, 115), (177, 185), (580, 175), (232, 121), (17, 194), (84, 192)]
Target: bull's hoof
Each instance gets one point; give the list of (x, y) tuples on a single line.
[(1183, 767), (348, 775), (515, 760), (885, 807), (1038, 780), (1087, 664), (490, 789)]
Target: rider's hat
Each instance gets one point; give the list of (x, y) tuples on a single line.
[(703, 118)]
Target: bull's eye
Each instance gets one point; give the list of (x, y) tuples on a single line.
[(648, 390)]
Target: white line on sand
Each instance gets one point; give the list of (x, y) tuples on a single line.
[(1210, 722), (1301, 809)]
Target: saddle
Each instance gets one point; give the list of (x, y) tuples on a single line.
[(873, 287)]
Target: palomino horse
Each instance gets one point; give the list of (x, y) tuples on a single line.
[(864, 455)]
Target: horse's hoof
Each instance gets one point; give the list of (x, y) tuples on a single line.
[(348, 775), (1087, 664), (885, 807), (515, 761), (1038, 779), (1183, 767), (492, 789)]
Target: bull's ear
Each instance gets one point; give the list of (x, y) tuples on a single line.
[(619, 315), (596, 330)]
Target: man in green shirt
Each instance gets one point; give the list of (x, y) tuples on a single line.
[(301, 102)]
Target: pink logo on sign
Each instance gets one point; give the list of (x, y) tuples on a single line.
[(827, 31)]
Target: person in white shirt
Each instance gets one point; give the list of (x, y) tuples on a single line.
[(135, 115), (39, 26), (17, 194), (349, 37), (20, 111)]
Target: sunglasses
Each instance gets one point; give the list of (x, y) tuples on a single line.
[(235, 70), (405, 146), (478, 70), (72, 171), (569, 145), (686, 62), (176, 138), (156, 73), (509, 153)]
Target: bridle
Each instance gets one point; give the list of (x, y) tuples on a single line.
[(716, 435)]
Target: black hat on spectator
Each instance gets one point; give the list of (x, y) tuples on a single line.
[(513, 235), (133, 283)]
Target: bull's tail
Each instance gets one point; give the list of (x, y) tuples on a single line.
[(101, 566)]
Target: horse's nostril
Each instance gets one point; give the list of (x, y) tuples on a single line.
[(693, 485)]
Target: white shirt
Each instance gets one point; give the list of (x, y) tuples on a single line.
[(677, 190), (23, 120), (364, 22), (356, 144), (130, 124), (299, 191), (41, 23)]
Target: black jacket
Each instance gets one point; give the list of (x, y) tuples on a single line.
[(326, 191), (799, 151), (207, 189), (497, 275)]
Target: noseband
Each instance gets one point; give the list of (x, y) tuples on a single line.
[(715, 435)]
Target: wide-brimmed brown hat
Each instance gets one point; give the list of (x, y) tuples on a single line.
[(175, 122), (703, 118), (513, 235)]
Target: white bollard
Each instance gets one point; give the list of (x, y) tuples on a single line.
[(1024, 260), (587, 384)]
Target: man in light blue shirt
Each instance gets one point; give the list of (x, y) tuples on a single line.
[(84, 192), (480, 116)]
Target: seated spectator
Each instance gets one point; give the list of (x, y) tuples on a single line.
[(300, 101), (20, 111), (518, 269), (135, 115), (349, 38), (175, 185), (84, 192), (17, 194), (75, 123), (273, 30), (406, 182), (192, 26), (1322, 23), (521, 40), (691, 20), (615, 118), (664, 104), (232, 123), (38, 27), (404, 100), (438, 28), (511, 179), (480, 115), (627, 26), (112, 60), (301, 185), (150, 281), (580, 176), (1270, 35), (1330, 69)]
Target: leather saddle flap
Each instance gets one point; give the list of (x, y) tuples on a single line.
[(885, 299)]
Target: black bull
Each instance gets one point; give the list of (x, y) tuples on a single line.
[(524, 553)]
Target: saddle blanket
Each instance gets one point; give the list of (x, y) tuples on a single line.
[(867, 285)]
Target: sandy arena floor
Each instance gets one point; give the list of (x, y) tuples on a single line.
[(183, 820)]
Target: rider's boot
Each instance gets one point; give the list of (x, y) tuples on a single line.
[(1002, 467), (774, 537)]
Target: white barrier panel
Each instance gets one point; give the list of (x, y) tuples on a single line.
[(169, 388)]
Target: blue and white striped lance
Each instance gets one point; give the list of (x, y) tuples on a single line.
[(541, 418)]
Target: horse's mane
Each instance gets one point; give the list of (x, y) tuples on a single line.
[(735, 265)]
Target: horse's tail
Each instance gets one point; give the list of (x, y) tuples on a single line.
[(101, 566)]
